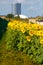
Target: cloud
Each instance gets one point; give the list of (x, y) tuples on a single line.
[(28, 1), (20, 1), (7, 1)]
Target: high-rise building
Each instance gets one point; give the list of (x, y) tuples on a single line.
[(17, 9)]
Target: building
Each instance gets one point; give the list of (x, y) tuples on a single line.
[(32, 20), (2, 16), (40, 22), (17, 9), (22, 16)]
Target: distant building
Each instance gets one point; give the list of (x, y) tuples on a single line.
[(2, 16), (17, 9), (32, 20), (22, 16), (40, 22)]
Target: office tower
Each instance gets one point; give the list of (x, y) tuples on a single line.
[(16, 10)]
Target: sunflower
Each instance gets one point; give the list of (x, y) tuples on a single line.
[(28, 38), (31, 32), (41, 41)]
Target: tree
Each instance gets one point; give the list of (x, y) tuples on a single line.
[(10, 16), (3, 26), (17, 17)]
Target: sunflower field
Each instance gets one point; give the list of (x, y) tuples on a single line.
[(27, 38)]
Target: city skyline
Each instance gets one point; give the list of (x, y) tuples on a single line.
[(30, 8)]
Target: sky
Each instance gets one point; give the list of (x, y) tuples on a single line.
[(30, 8)]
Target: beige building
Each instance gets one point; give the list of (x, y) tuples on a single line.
[(2, 16), (33, 20)]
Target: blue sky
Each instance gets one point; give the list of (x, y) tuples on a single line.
[(30, 8)]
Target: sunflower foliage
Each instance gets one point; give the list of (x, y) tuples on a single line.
[(25, 40), (15, 39), (35, 50)]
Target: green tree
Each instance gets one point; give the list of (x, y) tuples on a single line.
[(17, 17), (10, 16), (3, 26)]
